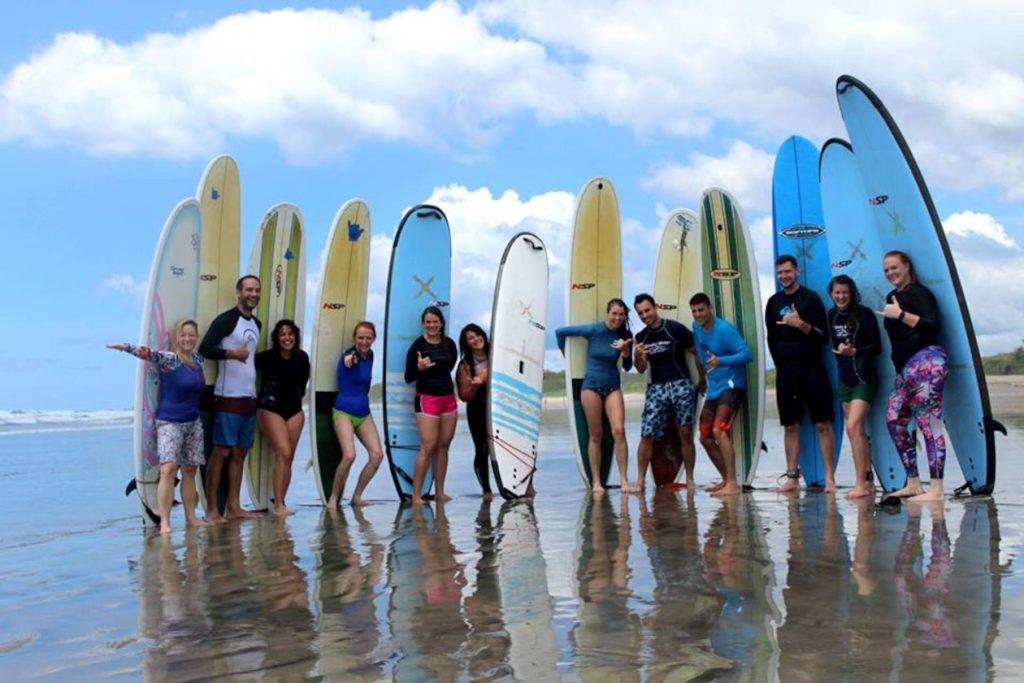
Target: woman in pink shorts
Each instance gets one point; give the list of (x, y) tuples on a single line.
[(429, 363)]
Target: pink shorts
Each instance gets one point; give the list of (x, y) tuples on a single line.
[(436, 406)]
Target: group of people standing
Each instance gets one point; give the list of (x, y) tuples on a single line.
[(275, 406), (798, 328)]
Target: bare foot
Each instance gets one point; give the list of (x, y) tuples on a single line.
[(862, 490), (597, 490), (830, 485), (790, 485), (931, 495), (714, 487), (332, 503), (627, 487), (359, 502), (197, 521), (691, 484), (215, 519), (164, 528), (488, 496), (417, 501), (442, 497), (531, 492), (909, 490), (730, 489), (281, 511), (639, 488), (241, 514)]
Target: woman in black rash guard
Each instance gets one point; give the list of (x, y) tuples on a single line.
[(912, 323), (472, 380), (429, 364), (285, 368), (855, 341)]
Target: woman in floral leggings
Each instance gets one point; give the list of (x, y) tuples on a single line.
[(912, 323)]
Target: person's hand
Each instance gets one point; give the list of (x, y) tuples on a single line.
[(480, 378), (118, 347), (640, 349), (712, 361), (350, 360), (423, 362), (892, 310), (702, 386), (845, 349), (239, 354), (792, 319), (622, 344)]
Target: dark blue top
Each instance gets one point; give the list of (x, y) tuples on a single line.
[(666, 351), (602, 360), (354, 385), (180, 383), (863, 334)]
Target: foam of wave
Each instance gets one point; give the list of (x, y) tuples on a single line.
[(63, 418)]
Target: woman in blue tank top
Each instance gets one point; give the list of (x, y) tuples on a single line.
[(179, 431), (352, 416)]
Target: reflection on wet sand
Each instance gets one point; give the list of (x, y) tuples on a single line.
[(346, 593), (606, 637), (684, 604), (741, 570), (487, 641)]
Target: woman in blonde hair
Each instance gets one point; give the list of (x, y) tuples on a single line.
[(352, 416), (179, 431)]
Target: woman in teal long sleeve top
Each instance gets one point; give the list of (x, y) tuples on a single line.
[(608, 341)]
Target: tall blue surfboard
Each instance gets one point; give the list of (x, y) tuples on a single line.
[(799, 230), (906, 219), (856, 251), (420, 276)]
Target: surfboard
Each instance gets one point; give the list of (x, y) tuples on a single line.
[(344, 278), (278, 258), (906, 219), (855, 250), (799, 230), (219, 195), (518, 328), (730, 281), (595, 276), (677, 277), (172, 294), (419, 276)]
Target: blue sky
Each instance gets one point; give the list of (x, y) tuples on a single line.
[(498, 111)]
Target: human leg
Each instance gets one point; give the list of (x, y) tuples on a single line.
[(344, 432), (855, 413), (615, 409), (593, 411), (476, 417), (275, 431), (367, 433), (707, 440), (165, 495), (429, 429), (926, 405), (188, 495), (722, 433), (445, 434), (897, 417)]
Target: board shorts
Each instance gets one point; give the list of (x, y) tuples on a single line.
[(664, 400), (180, 443), (858, 392), (234, 422), (805, 386), (731, 399), (357, 422), (436, 406)]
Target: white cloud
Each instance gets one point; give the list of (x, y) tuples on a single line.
[(122, 283), (980, 225), (744, 170), (995, 297)]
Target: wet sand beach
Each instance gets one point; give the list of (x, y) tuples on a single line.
[(669, 586)]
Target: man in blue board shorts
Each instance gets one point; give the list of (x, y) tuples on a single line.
[(231, 341), (662, 345), (797, 329), (724, 356)]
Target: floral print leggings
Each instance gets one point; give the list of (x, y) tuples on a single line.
[(917, 393)]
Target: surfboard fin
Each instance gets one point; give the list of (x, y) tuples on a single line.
[(994, 425), (132, 485), (959, 490), (764, 447)]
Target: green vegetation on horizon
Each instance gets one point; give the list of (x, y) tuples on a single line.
[(1010, 363)]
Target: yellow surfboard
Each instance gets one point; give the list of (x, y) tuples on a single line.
[(344, 277), (279, 259), (595, 276), (220, 197)]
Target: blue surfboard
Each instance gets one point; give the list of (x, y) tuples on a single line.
[(856, 251), (906, 219), (420, 276), (799, 230)]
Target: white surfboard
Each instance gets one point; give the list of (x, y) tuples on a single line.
[(171, 295), (518, 325)]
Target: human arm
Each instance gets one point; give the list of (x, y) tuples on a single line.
[(464, 383), (303, 370), (736, 350), (925, 319), (165, 361), (412, 357), (869, 341), (626, 351), (639, 354), (563, 333), (222, 326)]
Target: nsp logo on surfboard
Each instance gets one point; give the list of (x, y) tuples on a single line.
[(583, 285)]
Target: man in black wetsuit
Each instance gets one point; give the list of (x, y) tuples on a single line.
[(797, 329)]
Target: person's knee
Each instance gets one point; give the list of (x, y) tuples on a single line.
[(791, 429), (347, 458), (618, 433), (823, 427), (168, 469), (595, 436), (686, 432), (189, 470), (376, 458)]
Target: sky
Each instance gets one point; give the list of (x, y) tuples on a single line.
[(497, 111)]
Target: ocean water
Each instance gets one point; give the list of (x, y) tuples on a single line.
[(668, 586)]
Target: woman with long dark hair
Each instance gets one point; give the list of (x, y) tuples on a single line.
[(912, 323), (855, 342), (471, 378), (429, 363), (285, 368), (608, 341)]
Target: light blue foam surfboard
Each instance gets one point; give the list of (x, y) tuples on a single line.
[(856, 251), (799, 230), (906, 219), (420, 276)]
